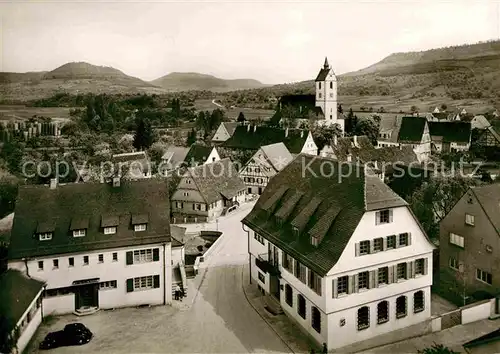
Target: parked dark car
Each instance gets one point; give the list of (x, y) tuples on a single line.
[(72, 334)]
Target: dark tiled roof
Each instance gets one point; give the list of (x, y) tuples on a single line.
[(197, 154), (95, 201), (412, 129), (456, 131), (389, 154), (245, 138), (178, 235), (336, 207), (298, 100), (17, 292), (230, 127), (323, 73), (217, 179), (110, 220), (489, 198), (345, 146), (136, 159), (79, 222)]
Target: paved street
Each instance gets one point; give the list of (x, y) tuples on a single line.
[(219, 321)]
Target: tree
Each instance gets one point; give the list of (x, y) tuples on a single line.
[(367, 127), (349, 123), (444, 107), (9, 333), (12, 153), (437, 349), (339, 109), (413, 109), (241, 117), (191, 138), (435, 198), (323, 134), (143, 137)]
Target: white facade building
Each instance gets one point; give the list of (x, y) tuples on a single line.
[(326, 95), (96, 246), (361, 268)]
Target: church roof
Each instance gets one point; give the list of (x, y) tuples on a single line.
[(323, 73)]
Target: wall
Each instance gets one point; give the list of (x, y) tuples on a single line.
[(58, 305), (177, 255), (221, 134), (254, 273), (310, 146), (474, 254), (341, 336), (29, 330), (478, 311), (213, 157), (306, 324)]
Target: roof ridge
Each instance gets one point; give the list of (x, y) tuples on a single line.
[(197, 186)]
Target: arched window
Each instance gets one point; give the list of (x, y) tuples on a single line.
[(331, 84), (363, 318), (301, 306), (289, 295), (401, 307), (316, 319), (418, 301), (382, 312), (319, 85)]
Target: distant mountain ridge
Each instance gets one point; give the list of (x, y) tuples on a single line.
[(188, 81)]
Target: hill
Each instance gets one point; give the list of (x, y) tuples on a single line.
[(76, 77), (200, 82), (462, 76)]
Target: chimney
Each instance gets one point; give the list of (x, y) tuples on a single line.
[(286, 133), (356, 141), (248, 127), (116, 182), (301, 134), (53, 183), (335, 140), (254, 128), (400, 147), (349, 158)]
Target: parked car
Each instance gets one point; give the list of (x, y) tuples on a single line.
[(72, 334)]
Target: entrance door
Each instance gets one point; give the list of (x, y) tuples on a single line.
[(275, 286), (87, 296), (260, 190)]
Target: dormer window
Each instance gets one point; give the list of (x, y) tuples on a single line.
[(140, 222), (110, 230), (45, 236), (79, 226), (79, 233), (279, 221), (314, 241), (109, 224), (295, 231)]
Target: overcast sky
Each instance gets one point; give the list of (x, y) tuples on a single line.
[(274, 42)]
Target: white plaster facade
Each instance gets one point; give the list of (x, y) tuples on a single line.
[(221, 134), (339, 313), (326, 97), (309, 146), (72, 267), (29, 322), (213, 157)]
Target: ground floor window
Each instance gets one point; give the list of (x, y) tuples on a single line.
[(143, 283), (108, 285), (418, 301), (289, 295), (262, 278), (316, 319), (382, 312), (301, 306), (363, 318), (401, 307)]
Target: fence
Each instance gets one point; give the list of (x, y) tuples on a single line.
[(188, 220)]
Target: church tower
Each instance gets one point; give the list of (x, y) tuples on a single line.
[(326, 95)]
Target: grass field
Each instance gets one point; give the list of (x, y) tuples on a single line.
[(20, 113)]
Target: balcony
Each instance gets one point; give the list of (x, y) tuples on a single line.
[(262, 262)]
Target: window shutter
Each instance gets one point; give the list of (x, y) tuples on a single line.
[(156, 281), (409, 270), (357, 249), (334, 288), (356, 284), (130, 285), (130, 258), (396, 243), (413, 267), (372, 245), (394, 273), (371, 279), (426, 265), (384, 244), (390, 215), (409, 239), (377, 217), (318, 281), (375, 278), (156, 254), (350, 284), (390, 275)]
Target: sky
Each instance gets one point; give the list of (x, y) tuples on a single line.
[(273, 42)]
